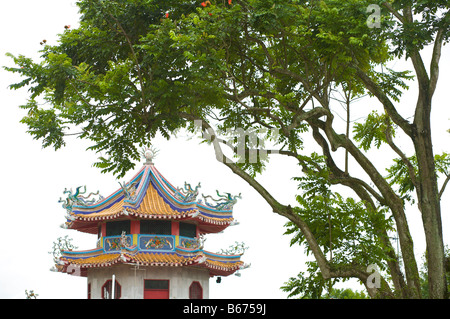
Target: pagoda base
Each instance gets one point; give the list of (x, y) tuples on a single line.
[(148, 282)]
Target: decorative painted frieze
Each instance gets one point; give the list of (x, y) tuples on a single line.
[(156, 242), (116, 243)]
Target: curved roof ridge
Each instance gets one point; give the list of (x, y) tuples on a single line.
[(136, 200), (109, 200)]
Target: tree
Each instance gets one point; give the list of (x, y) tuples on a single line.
[(271, 67), (303, 288)]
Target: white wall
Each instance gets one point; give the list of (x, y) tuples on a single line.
[(132, 281)]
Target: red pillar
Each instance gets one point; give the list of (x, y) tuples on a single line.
[(103, 229), (175, 228), (135, 227)]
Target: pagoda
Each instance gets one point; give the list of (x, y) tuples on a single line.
[(150, 238)]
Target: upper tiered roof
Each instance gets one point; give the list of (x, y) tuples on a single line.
[(148, 195)]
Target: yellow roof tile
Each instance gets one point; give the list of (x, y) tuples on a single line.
[(95, 260), (152, 258), (217, 267), (154, 204)]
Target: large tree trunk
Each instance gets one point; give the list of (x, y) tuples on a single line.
[(428, 198), (427, 189)]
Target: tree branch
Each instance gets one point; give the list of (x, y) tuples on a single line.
[(385, 101), (419, 66), (355, 271), (393, 201), (395, 13), (447, 179), (434, 66), (405, 160), (361, 188), (277, 207), (133, 53)]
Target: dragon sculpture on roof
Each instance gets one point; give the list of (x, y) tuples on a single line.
[(77, 199), (189, 194), (225, 202)]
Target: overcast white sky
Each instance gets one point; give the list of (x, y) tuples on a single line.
[(34, 179)]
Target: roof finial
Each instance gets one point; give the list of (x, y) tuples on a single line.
[(149, 154)]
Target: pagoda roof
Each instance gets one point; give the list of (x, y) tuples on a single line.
[(148, 195), (78, 262)]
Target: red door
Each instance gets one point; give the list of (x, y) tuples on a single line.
[(156, 294), (156, 289)]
